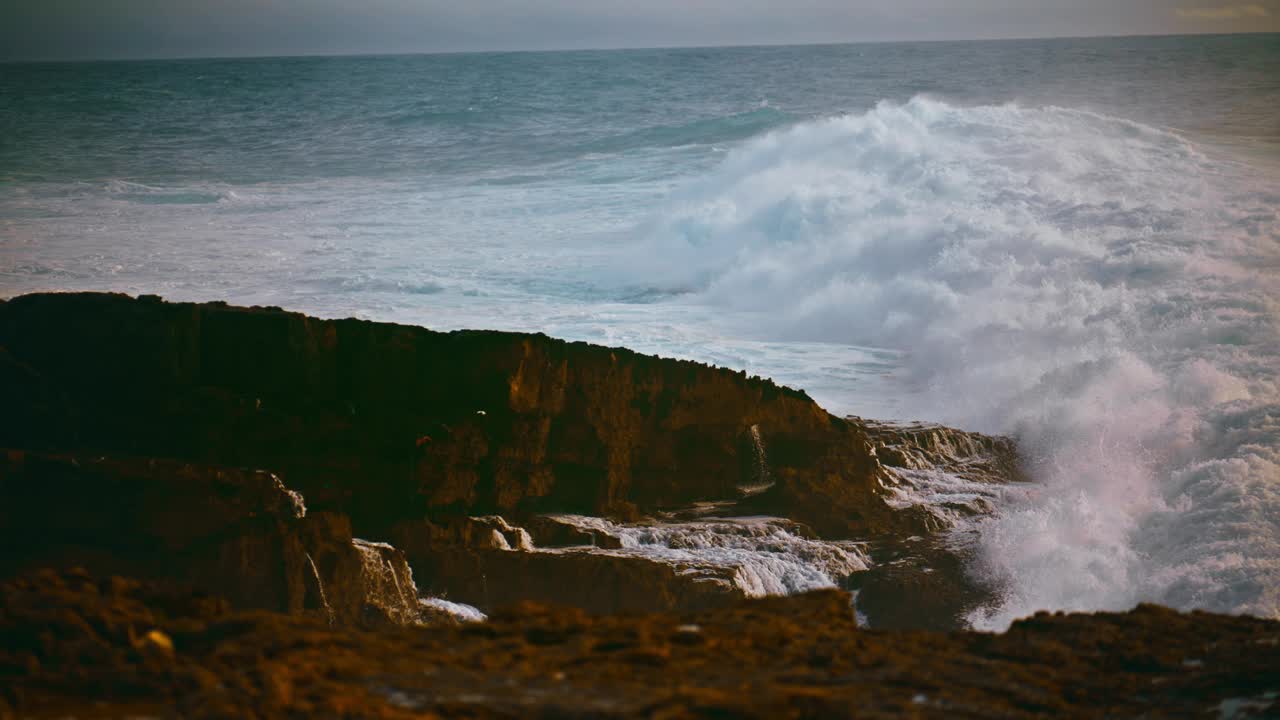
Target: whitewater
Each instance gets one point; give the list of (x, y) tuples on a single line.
[(1045, 273), (1073, 243)]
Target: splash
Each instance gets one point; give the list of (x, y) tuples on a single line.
[(759, 555), (388, 582), (457, 611), (759, 470), (1104, 290), (324, 599)]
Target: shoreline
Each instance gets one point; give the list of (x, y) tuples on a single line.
[(342, 474)]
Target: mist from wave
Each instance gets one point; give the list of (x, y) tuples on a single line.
[(1101, 289)]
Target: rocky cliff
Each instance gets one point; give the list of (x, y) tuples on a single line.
[(432, 441), (388, 422)]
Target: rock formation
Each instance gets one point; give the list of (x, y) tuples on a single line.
[(237, 534), (197, 501), (451, 445), (389, 423)]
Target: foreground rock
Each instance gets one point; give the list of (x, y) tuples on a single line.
[(72, 645)]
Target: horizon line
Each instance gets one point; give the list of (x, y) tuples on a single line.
[(730, 46)]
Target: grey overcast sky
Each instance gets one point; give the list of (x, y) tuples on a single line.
[(77, 29)]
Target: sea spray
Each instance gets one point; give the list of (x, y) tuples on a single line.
[(389, 587), (758, 555), (324, 600), (1100, 288), (759, 479)]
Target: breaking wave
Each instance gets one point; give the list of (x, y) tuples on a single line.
[(723, 129), (1104, 290)]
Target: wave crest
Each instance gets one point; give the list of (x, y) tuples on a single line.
[(705, 131)]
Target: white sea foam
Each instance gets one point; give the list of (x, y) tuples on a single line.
[(949, 497), (460, 611), (1103, 289), (760, 555)]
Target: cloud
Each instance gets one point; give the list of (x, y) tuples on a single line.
[(1228, 12)]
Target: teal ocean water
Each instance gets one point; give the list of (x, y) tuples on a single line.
[(1073, 241)]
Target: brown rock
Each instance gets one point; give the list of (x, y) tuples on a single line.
[(240, 534), (596, 583), (491, 532), (425, 439), (551, 531), (389, 423), (799, 657)]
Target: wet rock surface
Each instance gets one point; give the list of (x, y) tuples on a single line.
[(78, 646)]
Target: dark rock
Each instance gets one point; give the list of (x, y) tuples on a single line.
[(389, 423), (490, 532), (594, 582), (428, 440), (919, 583), (551, 531), (832, 482), (239, 534)]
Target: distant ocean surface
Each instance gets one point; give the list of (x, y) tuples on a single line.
[(1073, 241)]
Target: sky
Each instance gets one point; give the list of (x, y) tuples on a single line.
[(87, 29)]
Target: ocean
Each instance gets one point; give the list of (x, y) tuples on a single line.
[(1072, 241)]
